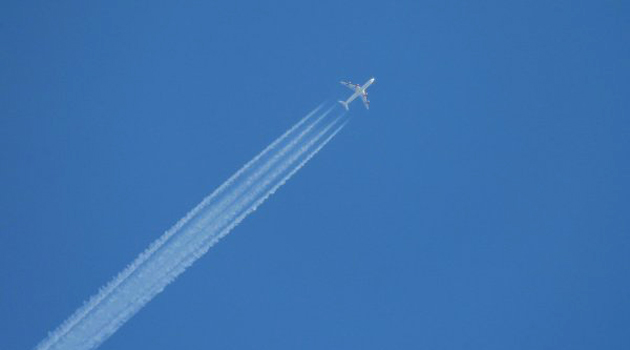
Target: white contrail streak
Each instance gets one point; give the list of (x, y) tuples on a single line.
[(105, 291), (193, 235)]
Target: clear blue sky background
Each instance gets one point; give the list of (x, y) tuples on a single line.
[(482, 203)]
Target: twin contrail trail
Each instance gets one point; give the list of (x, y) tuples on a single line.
[(193, 235)]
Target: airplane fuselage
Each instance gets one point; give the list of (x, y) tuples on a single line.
[(359, 91)]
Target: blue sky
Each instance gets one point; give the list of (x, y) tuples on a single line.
[(482, 202)]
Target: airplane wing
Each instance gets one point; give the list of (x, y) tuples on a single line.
[(366, 102), (349, 85)]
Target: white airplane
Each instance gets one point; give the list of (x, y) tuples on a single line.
[(358, 91)]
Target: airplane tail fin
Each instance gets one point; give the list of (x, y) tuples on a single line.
[(345, 105)]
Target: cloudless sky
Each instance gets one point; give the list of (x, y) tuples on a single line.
[(481, 203)]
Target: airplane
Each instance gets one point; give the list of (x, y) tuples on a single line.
[(358, 91)]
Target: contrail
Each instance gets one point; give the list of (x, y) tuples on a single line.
[(193, 235)]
